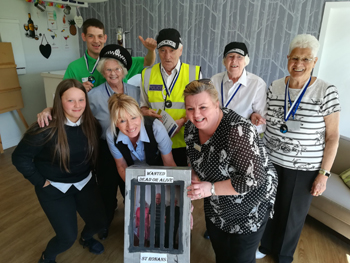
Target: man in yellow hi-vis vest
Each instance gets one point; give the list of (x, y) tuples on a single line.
[(163, 85)]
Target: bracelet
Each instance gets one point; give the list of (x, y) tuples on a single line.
[(325, 172), (212, 190)]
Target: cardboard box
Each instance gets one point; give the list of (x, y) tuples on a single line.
[(8, 77), (6, 53), (11, 100)]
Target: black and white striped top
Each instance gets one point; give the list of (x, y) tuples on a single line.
[(303, 149)]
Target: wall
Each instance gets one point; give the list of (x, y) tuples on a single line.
[(11, 127), (206, 26), (335, 39)]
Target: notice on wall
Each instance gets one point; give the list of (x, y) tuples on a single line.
[(153, 257), (51, 20)]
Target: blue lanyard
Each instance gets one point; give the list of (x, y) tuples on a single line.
[(222, 93), (87, 64), (295, 105), (168, 91), (109, 94)]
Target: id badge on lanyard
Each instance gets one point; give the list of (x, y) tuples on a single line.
[(292, 124)]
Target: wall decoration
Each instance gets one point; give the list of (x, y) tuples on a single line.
[(53, 36), (72, 28), (45, 50), (78, 19), (30, 28), (206, 26), (51, 20), (65, 38)]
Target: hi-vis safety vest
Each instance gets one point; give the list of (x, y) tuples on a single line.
[(153, 85)]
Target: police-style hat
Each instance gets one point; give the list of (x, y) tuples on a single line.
[(236, 47), (168, 37), (117, 52)]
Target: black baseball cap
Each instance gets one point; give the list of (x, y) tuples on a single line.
[(236, 47), (168, 37)]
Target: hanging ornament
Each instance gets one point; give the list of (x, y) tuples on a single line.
[(45, 50), (72, 28), (78, 19)]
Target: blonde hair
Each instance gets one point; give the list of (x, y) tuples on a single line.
[(118, 105), (198, 86)]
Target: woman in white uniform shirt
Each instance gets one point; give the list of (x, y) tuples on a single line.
[(133, 138)]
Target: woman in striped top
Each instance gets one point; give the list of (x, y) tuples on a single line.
[(302, 134)]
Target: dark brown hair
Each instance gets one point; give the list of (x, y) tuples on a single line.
[(56, 127), (93, 22)]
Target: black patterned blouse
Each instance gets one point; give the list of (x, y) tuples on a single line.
[(234, 152)]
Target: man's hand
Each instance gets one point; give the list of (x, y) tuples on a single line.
[(149, 43), (180, 122), (149, 112), (44, 117), (88, 85), (256, 119)]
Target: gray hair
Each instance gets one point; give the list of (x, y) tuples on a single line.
[(101, 65), (305, 41)]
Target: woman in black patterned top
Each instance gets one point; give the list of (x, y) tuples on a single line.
[(231, 172)]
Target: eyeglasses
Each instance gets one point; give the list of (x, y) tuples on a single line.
[(234, 56), (109, 70), (302, 60)]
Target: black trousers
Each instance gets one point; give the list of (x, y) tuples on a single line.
[(108, 180), (180, 157), (292, 204), (61, 210), (235, 248)]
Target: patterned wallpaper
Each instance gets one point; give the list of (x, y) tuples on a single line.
[(206, 26)]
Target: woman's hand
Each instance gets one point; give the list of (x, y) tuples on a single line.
[(319, 185), (198, 190)]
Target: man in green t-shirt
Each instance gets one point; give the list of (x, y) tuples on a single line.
[(84, 68)]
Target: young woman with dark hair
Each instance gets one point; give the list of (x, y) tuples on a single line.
[(58, 161)]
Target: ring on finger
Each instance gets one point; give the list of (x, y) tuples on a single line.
[(200, 195)]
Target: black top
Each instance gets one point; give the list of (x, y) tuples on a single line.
[(234, 152), (34, 159)]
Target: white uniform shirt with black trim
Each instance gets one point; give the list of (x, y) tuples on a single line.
[(303, 149)]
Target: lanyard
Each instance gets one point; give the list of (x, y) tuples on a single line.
[(107, 90), (222, 93), (293, 107), (168, 91), (87, 64)]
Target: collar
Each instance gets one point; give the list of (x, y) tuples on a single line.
[(73, 124), (175, 70), (111, 91), (242, 79), (90, 58), (143, 136)]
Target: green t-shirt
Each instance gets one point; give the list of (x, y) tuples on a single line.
[(77, 70)]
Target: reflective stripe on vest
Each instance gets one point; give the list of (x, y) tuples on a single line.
[(154, 88)]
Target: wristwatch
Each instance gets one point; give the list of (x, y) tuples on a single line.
[(325, 172), (212, 190)]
